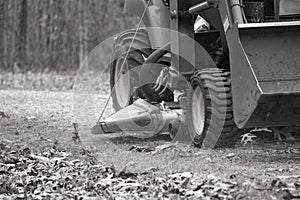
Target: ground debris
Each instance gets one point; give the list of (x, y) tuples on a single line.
[(75, 134), (140, 149), (31, 117), (53, 175), (230, 155), (247, 138), (163, 147), (4, 115)]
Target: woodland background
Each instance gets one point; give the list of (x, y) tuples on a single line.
[(55, 35)]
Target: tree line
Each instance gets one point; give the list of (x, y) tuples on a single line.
[(42, 35)]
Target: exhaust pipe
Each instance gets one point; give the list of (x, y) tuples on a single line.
[(141, 116)]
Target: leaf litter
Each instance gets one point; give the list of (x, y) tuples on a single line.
[(53, 175)]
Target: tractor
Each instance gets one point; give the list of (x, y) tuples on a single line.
[(202, 70)]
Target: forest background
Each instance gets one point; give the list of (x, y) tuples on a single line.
[(56, 35)]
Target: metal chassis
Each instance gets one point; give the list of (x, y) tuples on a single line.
[(254, 103)]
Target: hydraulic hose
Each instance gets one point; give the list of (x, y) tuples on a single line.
[(157, 54)]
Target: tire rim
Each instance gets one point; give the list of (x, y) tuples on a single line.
[(122, 82), (198, 111)]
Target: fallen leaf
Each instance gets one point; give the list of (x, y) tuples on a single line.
[(31, 118), (4, 115), (289, 176), (41, 158), (181, 175), (163, 147), (270, 169), (17, 132), (141, 149), (247, 138), (230, 155)]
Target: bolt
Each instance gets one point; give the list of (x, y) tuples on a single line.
[(173, 14)]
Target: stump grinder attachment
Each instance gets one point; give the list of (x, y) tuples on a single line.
[(146, 118)]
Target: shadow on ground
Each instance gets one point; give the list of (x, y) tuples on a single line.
[(136, 140)]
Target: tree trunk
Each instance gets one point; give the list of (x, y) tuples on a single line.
[(83, 31), (2, 34), (23, 32)]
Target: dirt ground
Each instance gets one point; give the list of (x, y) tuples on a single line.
[(39, 119)]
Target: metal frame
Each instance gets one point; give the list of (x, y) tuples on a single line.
[(264, 66), (256, 96), (156, 15)]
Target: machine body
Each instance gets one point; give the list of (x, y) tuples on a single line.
[(242, 72)]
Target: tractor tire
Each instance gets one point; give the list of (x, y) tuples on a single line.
[(209, 109), (122, 93)]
